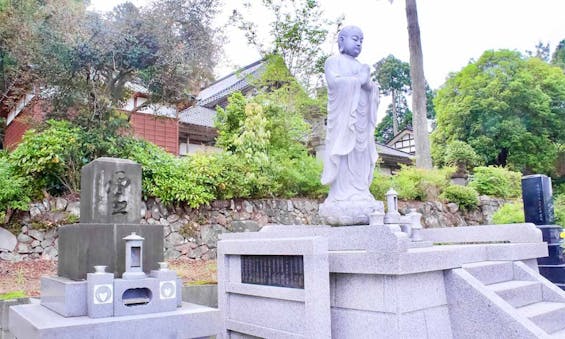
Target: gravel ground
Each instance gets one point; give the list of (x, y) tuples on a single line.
[(25, 275)]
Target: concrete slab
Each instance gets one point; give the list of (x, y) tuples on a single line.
[(206, 295), (64, 296), (190, 321)]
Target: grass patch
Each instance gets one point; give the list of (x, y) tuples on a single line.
[(13, 295)]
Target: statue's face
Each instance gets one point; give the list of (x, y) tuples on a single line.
[(351, 41)]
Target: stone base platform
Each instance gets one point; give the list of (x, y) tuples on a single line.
[(189, 321), (374, 282), (344, 213), (83, 246)]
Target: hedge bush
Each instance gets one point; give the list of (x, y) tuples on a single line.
[(380, 185), (559, 208), (413, 183), (509, 213), (51, 159), (14, 192), (497, 182), (466, 197)]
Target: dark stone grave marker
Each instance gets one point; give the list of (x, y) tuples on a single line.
[(538, 200), (538, 209), (110, 209)]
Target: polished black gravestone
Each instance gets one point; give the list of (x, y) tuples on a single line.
[(110, 210), (538, 209), (538, 200)]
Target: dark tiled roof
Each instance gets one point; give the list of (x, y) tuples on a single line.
[(222, 88), (198, 115), (383, 149)]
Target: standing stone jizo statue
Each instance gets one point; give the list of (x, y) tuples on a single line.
[(351, 153)]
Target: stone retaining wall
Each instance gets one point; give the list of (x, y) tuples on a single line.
[(193, 233)]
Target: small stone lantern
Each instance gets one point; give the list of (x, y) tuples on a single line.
[(392, 216), (134, 257)]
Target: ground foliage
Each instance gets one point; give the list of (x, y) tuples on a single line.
[(18, 279), (465, 197), (497, 182), (509, 213)]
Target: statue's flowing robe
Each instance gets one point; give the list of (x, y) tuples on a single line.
[(351, 154)]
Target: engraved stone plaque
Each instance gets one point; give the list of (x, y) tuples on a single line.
[(273, 270)]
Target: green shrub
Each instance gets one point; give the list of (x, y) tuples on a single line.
[(231, 176), (413, 183), (297, 176), (466, 197), (559, 188), (200, 178), (380, 185), (559, 208), (51, 159), (497, 182), (169, 178), (14, 193), (509, 213), (459, 153)]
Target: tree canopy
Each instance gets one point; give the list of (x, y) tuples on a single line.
[(509, 108), (299, 32), (393, 76), (89, 60), (558, 57)]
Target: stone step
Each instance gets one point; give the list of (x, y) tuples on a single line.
[(518, 292), (491, 272), (549, 316)]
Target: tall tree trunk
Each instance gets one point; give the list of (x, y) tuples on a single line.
[(419, 121), (394, 114)]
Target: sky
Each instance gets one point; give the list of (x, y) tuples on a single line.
[(453, 32)]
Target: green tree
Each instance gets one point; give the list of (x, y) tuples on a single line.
[(393, 76), (270, 135), (298, 32), (283, 103), (430, 109), (558, 57), (385, 131), (508, 108), (89, 61), (24, 27), (418, 80), (542, 51)]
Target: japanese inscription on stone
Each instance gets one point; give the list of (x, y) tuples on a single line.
[(111, 191), (273, 270), (117, 189)]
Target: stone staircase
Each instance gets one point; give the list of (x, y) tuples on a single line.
[(532, 298)]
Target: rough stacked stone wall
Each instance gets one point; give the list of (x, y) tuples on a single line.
[(193, 233)]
